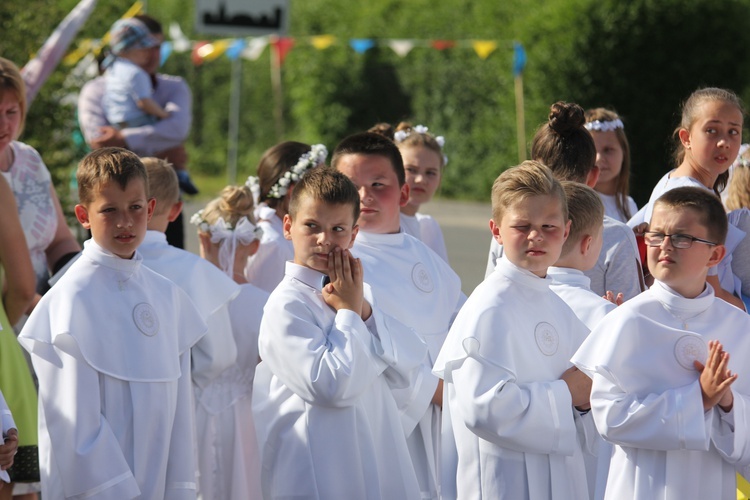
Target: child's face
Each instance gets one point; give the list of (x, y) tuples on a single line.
[(682, 269), (10, 118), (317, 229), (422, 168), (608, 159), (714, 139), (532, 233), (380, 195), (118, 217), (139, 57)]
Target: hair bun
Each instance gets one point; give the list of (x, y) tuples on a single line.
[(565, 117)]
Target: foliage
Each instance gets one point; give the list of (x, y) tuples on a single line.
[(640, 57)]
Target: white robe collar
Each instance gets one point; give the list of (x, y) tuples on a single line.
[(569, 276), (310, 277), (103, 257), (378, 239), (521, 276), (679, 306)]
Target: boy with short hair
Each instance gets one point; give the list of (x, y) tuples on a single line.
[(514, 398), (335, 382), (662, 392), (210, 290), (110, 344), (579, 254), (412, 283)]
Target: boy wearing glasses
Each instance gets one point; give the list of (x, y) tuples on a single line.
[(665, 392)]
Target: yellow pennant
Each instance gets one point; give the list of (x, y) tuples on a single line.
[(83, 48), (743, 488), (322, 42), (484, 48), (211, 51)]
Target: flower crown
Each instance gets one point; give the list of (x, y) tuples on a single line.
[(604, 125), (401, 135), (220, 225), (317, 155)]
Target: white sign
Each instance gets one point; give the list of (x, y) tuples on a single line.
[(242, 17)]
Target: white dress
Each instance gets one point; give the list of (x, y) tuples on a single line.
[(229, 461), (425, 228), (414, 285), (646, 398), (265, 269), (610, 206), (327, 397), (6, 424), (512, 417), (211, 292), (110, 343)]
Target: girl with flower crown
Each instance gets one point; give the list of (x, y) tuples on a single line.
[(279, 169), (423, 165), (613, 162), (229, 462)]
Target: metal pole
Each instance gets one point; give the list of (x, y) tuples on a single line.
[(234, 120), (520, 120)]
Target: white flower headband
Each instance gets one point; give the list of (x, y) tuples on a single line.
[(401, 135), (317, 155), (741, 161), (245, 232), (604, 126)]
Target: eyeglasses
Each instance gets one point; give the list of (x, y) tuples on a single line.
[(655, 239)]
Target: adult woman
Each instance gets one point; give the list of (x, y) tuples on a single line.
[(50, 241)]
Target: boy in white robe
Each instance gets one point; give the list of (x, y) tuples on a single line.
[(110, 344), (210, 290), (514, 399), (579, 254), (662, 392), (412, 283), (334, 385)]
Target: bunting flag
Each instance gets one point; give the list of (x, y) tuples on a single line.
[(210, 51), (180, 41), (254, 48), (484, 48), (401, 47), (235, 49), (322, 42), (361, 45), (38, 69), (166, 51), (442, 44), (282, 46), (519, 59), (195, 54)]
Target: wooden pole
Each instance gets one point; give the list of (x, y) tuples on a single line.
[(277, 92), (520, 119), (234, 120)]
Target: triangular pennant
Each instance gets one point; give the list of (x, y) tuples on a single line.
[(179, 40), (83, 48), (484, 48), (361, 45), (235, 48), (401, 47), (322, 42), (442, 44), (166, 51), (282, 45), (211, 51), (254, 48), (195, 55), (519, 59)]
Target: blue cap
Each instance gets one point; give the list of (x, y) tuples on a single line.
[(130, 33)]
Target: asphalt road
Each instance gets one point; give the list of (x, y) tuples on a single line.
[(465, 228)]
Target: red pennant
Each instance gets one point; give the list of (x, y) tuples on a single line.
[(194, 56), (282, 45), (442, 44)]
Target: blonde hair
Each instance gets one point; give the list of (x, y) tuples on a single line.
[(233, 204), (586, 212), (690, 115), (528, 179), (622, 186), (163, 184), (106, 165), (738, 189), (11, 81)]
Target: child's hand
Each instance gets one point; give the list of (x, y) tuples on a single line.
[(579, 385), (8, 449), (716, 379), (615, 299), (345, 290)]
